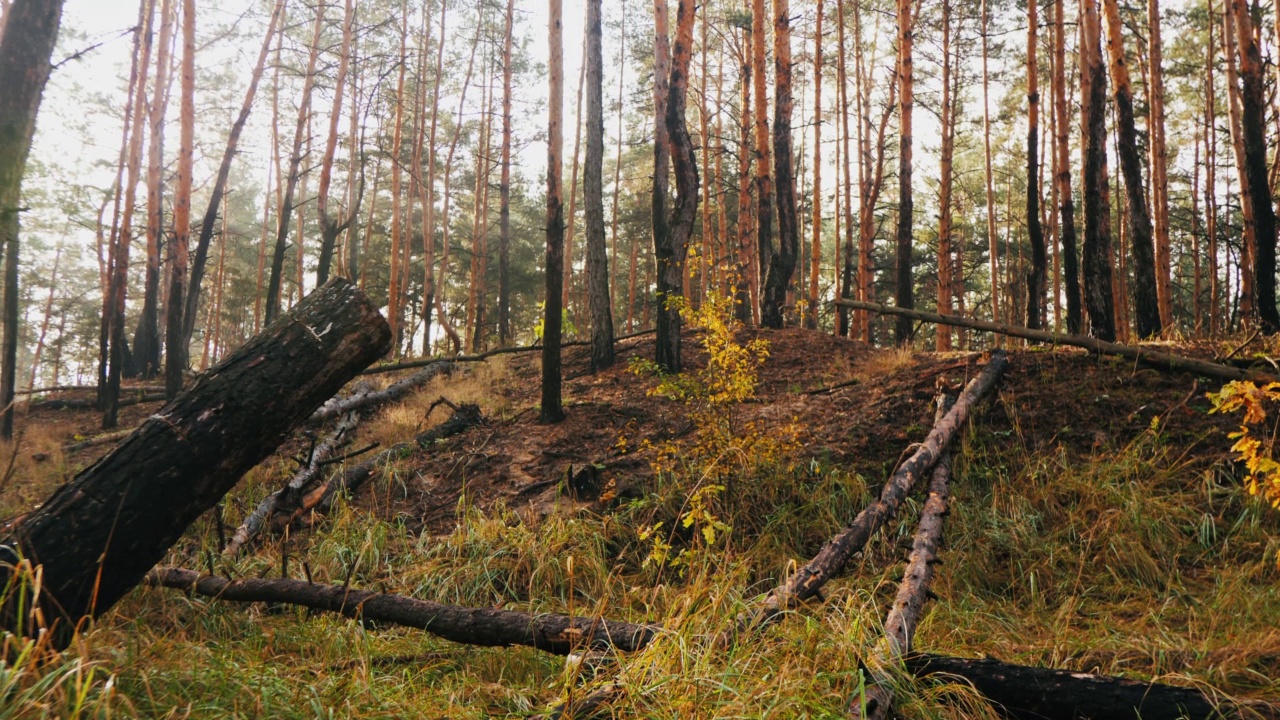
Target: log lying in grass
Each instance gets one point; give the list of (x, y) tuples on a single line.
[(392, 393), (900, 626), (480, 357), (553, 633), (465, 417), (831, 559), (288, 498), (99, 534), (91, 403), (1031, 693), (1152, 358)]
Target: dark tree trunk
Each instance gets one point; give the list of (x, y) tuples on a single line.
[(99, 534), (1066, 209), (763, 153), (552, 410), (904, 296), (666, 283), (1097, 201), (593, 198), (782, 261), (504, 192), (1036, 279), (31, 27)]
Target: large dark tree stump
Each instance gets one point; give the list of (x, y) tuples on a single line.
[(99, 534)]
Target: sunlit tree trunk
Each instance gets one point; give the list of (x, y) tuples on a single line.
[(146, 340), (905, 296), (330, 227), (845, 268), (661, 175), (552, 410), (945, 260), (815, 253), (179, 258), (1062, 179), (597, 265), (1097, 201), (1159, 164), (782, 259), (1249, 235)]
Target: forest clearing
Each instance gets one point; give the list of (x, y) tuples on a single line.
[(416, 379)]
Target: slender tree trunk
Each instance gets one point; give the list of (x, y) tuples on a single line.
[(906, 210), (146, 340), (1159, 164), (843, 326), (815, 253), (429, 195), (764, 155), (671, 259), (48, 312), (668, 321), (1211, 175), (504, 201), (613, 271), (943, 340), (1146, 302), (1062, 179), (330, 228), (1097, 201), (1035, 233), (394, 292), (1252, 120), (552, 410), (175, 349), (597, 265), (284, 220), (991, 193), (706, 240), (1249, 235), (572, 218), (782, 258), (746, 274)]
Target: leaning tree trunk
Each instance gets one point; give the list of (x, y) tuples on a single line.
[(31, 29), (1146, 303), (671, 270), (99, 534), (782, 260), (1097, 202)]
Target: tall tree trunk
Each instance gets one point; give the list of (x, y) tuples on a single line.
[(597, 263), (283, 221), (1062, 179), (330, 227), (571, 219), (44, 323), (815, 253), (1097, 201), (429, 197), (668, 321), (747, 277), (991, 193), (782, 259), (845, 269), (1159, 165), (146, 339), (1252, 120), (1146, 302), (112, 349), (175, 362), (1248, 240), (1211, 174), (504, 201), (764, 155), (1035, 233), (671, 258), (552, 409), (394, 292), (945, 264), (904, 295)]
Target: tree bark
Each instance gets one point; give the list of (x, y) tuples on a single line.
[(1211, 174), (815, 254), (394, 291), (330, 227), (504, 193), (668, 323), (671, 256), (1249, 233), (1036, 279), (552, 410), (763, 154), (1159, 164), (945, 182), (1097, 200), (1062, 179), (844, 328), (597, 263), (98, 535), (1252, 120), (990, 183), (1146, 303), (558, 634), (782, 259), (175, 362), (905, 292)]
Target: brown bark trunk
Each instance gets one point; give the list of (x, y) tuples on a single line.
[(1146, 303), (330, 228), (98, 535), (945, 263), (597, 263), (991, 193), (1159, 164), (1097, 200), (1036, 279), (1062, 179), (782, 259), (815, 252), (1211, 175), (763, 155), (905, 294), (668, 283), (747, 277), (552, 410), (504, 193), (179, 249), (394, 291), (1248, 240), (845, 269)]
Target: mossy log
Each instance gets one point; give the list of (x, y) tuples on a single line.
[(98, 535)]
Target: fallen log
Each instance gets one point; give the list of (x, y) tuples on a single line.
[(480, 357), (286, 499), (96, 440), (904, 616), (98, 535), (831, 559), (90, 403), (465, 417), (392, 393), (550, 632), (1151, 358), (1032, 693)]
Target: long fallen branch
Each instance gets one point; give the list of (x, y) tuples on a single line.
[(553, 633), (286, 499), (88, 403), (392, 393), (900, 626), (1152, 358), (480, 357), (831, 559)]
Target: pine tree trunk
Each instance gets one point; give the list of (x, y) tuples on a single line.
[(1036, 279), (763, 156), (991, 193), (1159, 165), (815, 253), (843, 326), (906, 209), (1097, 201), (394, 291), (597, 263), (504, 199), (1248, 240), (746, 277), (1211, 175), (945, 265), (1146, 302), (669, 284), (552, 410), (782, 259), (1062, 180), (179, 250), (330, 227)]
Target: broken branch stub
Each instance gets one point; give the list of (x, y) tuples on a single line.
[(99, 534)]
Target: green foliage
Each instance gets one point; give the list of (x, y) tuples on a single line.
[(566, 323)]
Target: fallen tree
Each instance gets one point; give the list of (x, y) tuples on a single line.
[(831, 559), (480, 357), (96, 537), (392, 393), (550, 632), (904, 616), (1151, 358)]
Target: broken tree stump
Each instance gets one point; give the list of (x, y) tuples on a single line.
[(550, 632), (99, 534), (835, 554)]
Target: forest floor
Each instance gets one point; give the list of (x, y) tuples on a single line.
[(1097, 524)]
